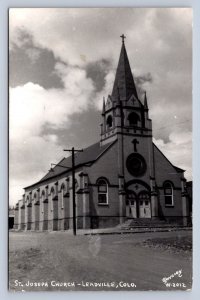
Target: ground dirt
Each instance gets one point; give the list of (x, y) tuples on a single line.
[(39, 260)]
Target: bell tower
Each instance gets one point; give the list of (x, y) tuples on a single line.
[(123, 112)]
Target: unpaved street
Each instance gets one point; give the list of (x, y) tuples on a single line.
[(58, 261)]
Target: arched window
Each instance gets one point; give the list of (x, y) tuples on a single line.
[(76, 184), (51, 198), (109, 121), (102, 191), (168, 193), (63, 189), (35, 197), (133, 119), (42, 200)]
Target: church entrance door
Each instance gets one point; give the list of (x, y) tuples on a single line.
[(144, 205), (138, 206), (131, 205)]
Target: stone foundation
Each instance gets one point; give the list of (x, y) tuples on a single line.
[(22, 226), (94, 222), (37, 225), (45, 225), (181, 221)]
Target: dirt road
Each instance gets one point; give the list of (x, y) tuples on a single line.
[(59, 261)]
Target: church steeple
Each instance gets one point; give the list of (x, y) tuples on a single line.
[(123, 113), (124, 82)]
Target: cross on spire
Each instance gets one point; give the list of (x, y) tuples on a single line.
[(123, 38)]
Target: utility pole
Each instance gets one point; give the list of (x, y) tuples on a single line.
[(73, 185)]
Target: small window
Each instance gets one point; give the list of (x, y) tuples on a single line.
[(146, 202), (109, 121), (141, 203), (102, 192), (133, 119), (168, 193), (144, 196)]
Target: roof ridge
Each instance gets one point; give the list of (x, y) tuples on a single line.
[(82, 159)]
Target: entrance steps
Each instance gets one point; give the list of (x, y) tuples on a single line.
[(146, 223)]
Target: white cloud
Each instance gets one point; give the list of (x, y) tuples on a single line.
[(31, 108), (76, 33), (178, 150)]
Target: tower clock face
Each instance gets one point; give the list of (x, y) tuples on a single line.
[(136, 164)]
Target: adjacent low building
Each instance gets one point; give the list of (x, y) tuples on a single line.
[(124, 175)]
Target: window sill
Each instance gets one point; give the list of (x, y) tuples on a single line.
[(103, 204)]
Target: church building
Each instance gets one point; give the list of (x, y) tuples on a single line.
[(123, 176)]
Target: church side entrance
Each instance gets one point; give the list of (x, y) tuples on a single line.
[(138, 206)]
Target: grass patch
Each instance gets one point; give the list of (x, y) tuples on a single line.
[(175, 244)]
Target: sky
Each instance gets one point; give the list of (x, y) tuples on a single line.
[(63, 61)]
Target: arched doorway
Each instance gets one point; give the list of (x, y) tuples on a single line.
[(138, 205)]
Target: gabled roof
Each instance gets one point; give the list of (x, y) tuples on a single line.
[(179, 170), (124, 85), (88, 156)]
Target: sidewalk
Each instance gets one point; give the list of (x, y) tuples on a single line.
[(113, 230), (117, 230)]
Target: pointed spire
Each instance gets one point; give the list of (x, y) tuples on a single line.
[(118, 96), (104, 107), (124, 78), (145, 100)]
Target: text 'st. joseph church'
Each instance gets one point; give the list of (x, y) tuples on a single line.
[(122, 176)]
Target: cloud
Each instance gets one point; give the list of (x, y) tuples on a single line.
[(33, 54), (140, 80), (31, 64), (178, 150), (31, 109), (32, 102), (97, 71), (61, 31)]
